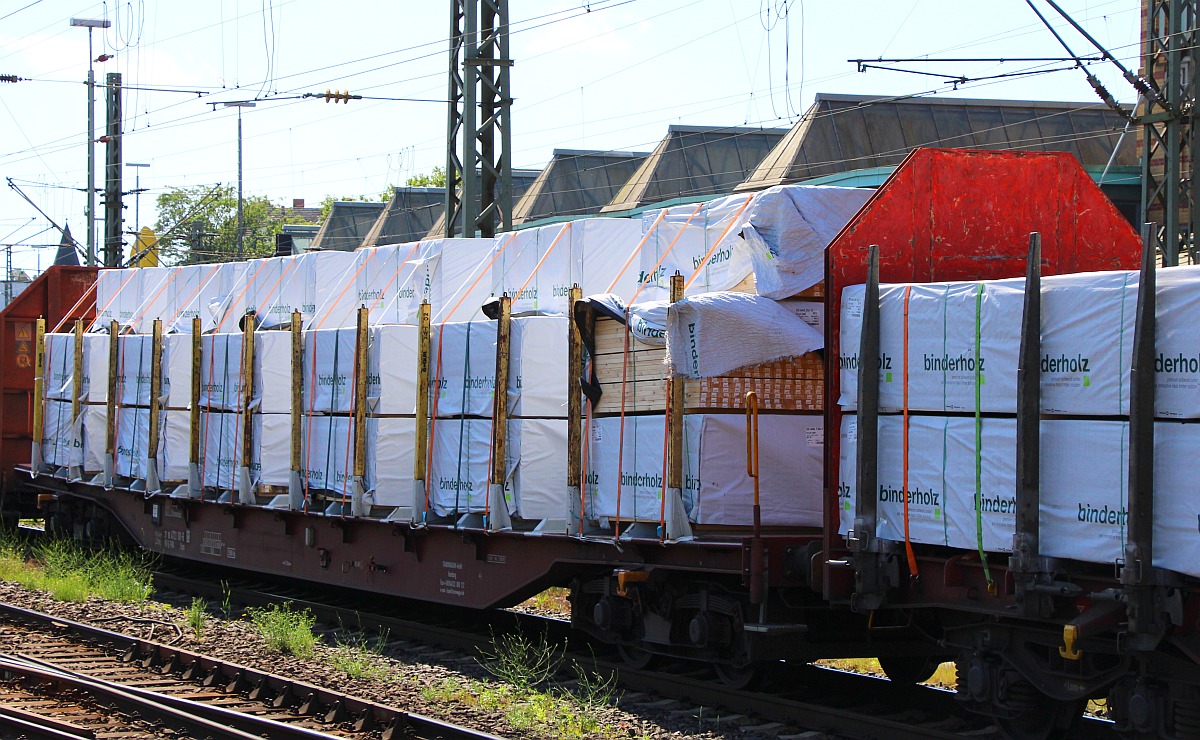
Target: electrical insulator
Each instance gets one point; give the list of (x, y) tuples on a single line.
[(9, 78)]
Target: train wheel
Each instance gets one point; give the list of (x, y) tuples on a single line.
[(738, 677), (909, 669), (1039, 717), (635, 657)]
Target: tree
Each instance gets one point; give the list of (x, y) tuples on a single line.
[(435, 179), (199, 224)]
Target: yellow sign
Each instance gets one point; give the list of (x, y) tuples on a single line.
[(147, 248), (24, 333)]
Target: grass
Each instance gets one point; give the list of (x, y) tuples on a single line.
[(359, 657), (70, 572), (197, 614), (556, 599), (286, 631)]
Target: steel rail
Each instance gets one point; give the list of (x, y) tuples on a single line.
[(281, 691)]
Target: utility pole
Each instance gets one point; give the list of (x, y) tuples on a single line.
[(240, 219), (137, 194), (91, 137), (114, 205), (480, 102)]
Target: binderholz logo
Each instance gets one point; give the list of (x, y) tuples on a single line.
[(916, 496), (850, 362), (948, 364), (1065, 364), (1089, 514), (1180, 363)]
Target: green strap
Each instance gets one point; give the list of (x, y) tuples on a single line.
[(979, 438)]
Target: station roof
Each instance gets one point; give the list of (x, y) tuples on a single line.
[(842, 133), (347, 225), (694, 161), (407, 217), (576, 182)]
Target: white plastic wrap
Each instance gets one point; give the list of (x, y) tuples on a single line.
[(1176, 505), (392, 369), (158, 297), (273, 288), (135, 363), (118, 296), (540, 479), (329, 370), (1084, 484), (602, 247), (534, 269), (791, 465), (173, 445), (327, 453), (463, 368), (386, 280), (221, 377), (62, 435), (391, 442), (455, 277), (273, 445), (133, 441), (461, 463), (273, 371), (95, 435), (59, 361), (538, 373), (192, 292), (221, 449), (332, 291), (639, 470), (694, 239), (787, 230)]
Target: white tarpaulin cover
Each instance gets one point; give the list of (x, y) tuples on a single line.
[(712, 334), (158, 297), (639, 470), (273, 288), (333, 290), (540, 479), (537, 372), (1084, 484), (392, 369), (173, 443), (788, 230), (534, 268), (386, 280), (95, 435), (455, 277), (60, 367), (273, 442), (118, 296)]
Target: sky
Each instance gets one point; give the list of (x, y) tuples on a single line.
[(606, 74)]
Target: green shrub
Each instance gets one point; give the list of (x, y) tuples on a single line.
[(197, 613), (285, 630)]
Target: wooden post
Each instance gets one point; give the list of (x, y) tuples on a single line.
[(675, 411), (156, 348), (575, 508), (420, 471), (39, 392), (195, 485), (361, 346), (496, 510), (114, 370), (245, 487), (296, 480)]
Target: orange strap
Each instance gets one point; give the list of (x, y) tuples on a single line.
[(636, 250), (663, 256), (538, 266), (395, 275), (486, 268), (348, 284), (101, 309), (708, 255), (91, 291), (908, 548)]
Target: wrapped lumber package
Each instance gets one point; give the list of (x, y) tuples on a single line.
[(464, 365), (118, 296), (787, 229), (454, 276), (636, 379), (334, 291), (385, 283), (59, 362), (221, 376), (1087, 342), (273, 371), (173, 445), (157, 299), (1176, 505), (136, 360), (95, 436), (329, 370), (540, 479), (133, 441), (390, 444), (629, 466), (539, 266), (62, 435), (392, 369), (273, 288), (196, 289), (702, 240), (221, 448), (1082, 499), (460, 465), (327, 453)]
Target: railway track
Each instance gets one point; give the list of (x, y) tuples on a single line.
[(175, 690), (794, 698)]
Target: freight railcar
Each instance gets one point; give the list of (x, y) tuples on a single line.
[(654, 567)]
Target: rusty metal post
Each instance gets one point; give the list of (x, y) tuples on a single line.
[(39, 393), (1025, 562), (296, 497), (496, 512), (114, 369), (245, 482), (195, 485), (156, 349), (575, 509), (358, 505), (420, 503)]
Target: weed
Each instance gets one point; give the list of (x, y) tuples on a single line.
[(196, 614), (285, 630), (524, 662), (450, 689), (358, 657), (70, 572), (554, 599), (226, 599)]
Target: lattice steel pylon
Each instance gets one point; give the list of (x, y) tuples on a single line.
[(479, 181), (1169, 157)]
